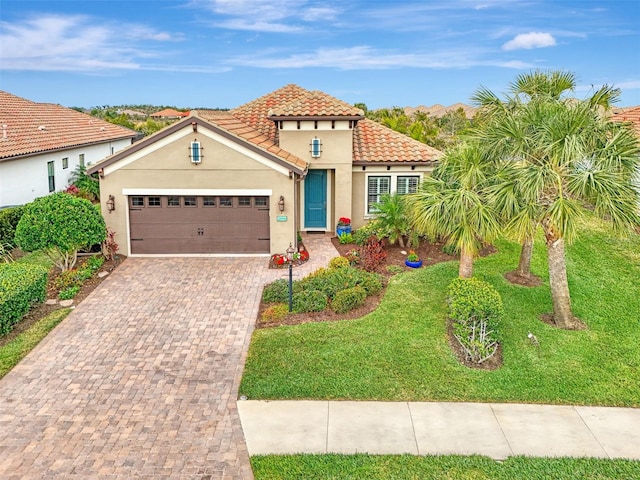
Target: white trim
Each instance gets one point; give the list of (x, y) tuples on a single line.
[(202, 192)]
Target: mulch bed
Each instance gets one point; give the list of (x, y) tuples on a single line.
[(41, 311)]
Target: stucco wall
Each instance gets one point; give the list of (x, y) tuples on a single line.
[(24, 179), (225, 166)]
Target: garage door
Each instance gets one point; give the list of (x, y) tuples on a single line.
[(198, 224)]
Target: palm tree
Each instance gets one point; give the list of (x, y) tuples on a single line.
[(559, 155), (452, 204), (392, 218)]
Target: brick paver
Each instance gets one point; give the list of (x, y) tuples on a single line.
[(141, 380)]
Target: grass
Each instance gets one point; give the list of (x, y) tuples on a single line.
[(19, 347), (396, 467), (400, 352)]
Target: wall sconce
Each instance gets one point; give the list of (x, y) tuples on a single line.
[(281, 203), (111, 203)]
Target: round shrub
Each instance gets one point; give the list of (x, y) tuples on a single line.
[(371, 282), (309, 301), (338, 262), (275, 313), (349, 299), (276, 291), (9, 218)]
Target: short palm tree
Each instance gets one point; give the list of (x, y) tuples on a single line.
[(392, 218), (558, 156), (452, 204)]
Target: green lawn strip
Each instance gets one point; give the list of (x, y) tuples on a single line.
[(38, 258), (19, 347), (400, 352), (396, 467)]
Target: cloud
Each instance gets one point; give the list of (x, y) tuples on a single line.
[(527, 41), (364, 57), (271, 16), (76, 43)]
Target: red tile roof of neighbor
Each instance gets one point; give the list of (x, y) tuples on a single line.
[(169, 113), (631, 115), (33, 128), (372, 142)]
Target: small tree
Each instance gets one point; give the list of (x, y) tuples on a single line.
[(60, 224), (392, 218)]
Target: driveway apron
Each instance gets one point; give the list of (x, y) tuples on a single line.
[(141, 379)]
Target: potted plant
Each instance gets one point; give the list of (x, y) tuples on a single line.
[(413, 260), (344, 226)]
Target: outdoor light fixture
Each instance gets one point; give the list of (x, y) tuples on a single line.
[(290, 252), (111, 203), (281, 203)]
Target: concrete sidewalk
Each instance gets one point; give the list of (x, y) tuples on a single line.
[(440, 428)]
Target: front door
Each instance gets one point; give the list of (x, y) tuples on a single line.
[(315, 199)]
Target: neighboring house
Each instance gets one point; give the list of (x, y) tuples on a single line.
[(41, 144), (245, 181), (630, 115), (133, 113), (169, 114)]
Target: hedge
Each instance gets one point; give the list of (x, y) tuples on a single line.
[(21, 285), (9, 218)]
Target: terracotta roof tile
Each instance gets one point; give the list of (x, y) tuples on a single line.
[(169, 113), (234, 126), (33, 128), (632, 115), (372, 142)]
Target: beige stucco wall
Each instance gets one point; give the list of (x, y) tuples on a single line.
[(225, 166), (336, 157)]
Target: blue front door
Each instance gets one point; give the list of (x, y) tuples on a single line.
[(315, 199)]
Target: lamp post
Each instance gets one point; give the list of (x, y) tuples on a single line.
[(290, 251)]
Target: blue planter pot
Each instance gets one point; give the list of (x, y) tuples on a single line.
[(416, 264), (340, 229)]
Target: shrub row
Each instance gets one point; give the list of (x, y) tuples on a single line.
[(340, 285), (475, 309), (21, 286)]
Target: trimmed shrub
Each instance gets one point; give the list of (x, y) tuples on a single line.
[(371, 282), (9, 218), (21, 285), (332, 280), (361, 235), (475, 308), (349, 299), (275, 313), (276, 291), (309, 301), (338, 262)]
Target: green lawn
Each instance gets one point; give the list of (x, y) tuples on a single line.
[(400, 351), (396, 467)]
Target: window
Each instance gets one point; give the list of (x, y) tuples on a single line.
[(190, 202), (407, 184), (137, 201), (316, 147), (154, 201), (209, 201), (261, 201), (81, 159), (65, 162), (173, 201), (376, 187), (196, 152), (226, 202), (244, 201), (52, 176)]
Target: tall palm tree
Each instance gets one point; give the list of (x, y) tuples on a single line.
[(452, 204), (560, 155)]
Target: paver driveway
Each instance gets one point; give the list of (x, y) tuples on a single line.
[(140, 381)]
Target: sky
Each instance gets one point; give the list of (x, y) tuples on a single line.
[(223, 53)]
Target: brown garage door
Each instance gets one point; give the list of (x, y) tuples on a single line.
[(190, 224)]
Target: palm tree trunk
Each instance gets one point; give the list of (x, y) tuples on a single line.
[(562, 315), (466, 264), (524, 265)]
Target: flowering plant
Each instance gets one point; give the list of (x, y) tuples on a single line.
[(278, 259), (413, 256), (344, 221)]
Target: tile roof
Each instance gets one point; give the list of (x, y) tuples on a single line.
[(630, 114), (372, 142), (238, 128), (169, 113), (33, 128)]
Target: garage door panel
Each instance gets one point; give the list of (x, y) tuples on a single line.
[(199, 229)]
